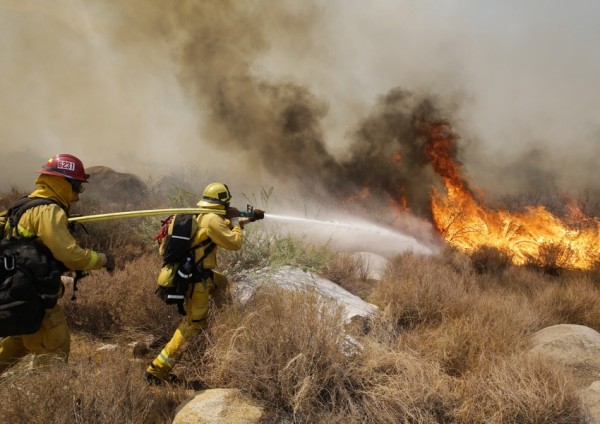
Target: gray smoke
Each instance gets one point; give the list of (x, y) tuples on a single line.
[(317, 95), (281, 124)]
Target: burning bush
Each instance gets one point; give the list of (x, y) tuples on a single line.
[(551, 258)]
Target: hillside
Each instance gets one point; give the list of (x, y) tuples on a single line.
[(449, 343)]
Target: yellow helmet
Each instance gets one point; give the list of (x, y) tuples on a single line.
[(216, 195)]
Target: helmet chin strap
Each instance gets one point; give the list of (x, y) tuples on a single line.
[(77, 186)]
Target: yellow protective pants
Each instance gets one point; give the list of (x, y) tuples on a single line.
[(51, 341), (196, 306)]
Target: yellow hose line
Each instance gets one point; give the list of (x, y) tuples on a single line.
[(149, 212)]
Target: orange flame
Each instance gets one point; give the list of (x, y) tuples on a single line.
[(363, 194), (528, 236), (400, 204)]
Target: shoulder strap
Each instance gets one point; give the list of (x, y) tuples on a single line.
[(22, 205)]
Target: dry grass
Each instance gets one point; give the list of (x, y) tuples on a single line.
[(107, 388), (570, 301), (296, 342), (125, 303), (351, 273), (490, 327), (421, 291), (448, 347), (8, 198), (490, 260), (304, 367), (521, 389)]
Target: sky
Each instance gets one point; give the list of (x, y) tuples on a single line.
[(199, 89)]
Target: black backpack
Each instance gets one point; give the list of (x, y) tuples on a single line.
[(179, 265), (29, 276)]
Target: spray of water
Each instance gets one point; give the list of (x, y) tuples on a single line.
[(369, 236)]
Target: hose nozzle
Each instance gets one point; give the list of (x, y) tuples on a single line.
[(252, 214)]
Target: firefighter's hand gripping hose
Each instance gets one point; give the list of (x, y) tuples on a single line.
[(241, 218), (74, 280), (256, 215), (252, 214), (110, 263)]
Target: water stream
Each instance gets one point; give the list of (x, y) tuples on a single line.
[(373, 237)]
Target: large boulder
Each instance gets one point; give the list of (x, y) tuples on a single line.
[(218, 406), (577, 348), (590, 396), (115, 191), (298, 279)]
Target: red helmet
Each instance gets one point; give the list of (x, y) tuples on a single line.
[(65, 165)]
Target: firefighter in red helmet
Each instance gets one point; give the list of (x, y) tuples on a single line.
[(61, 180)]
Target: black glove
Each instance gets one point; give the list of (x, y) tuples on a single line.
[(257, 214), (232, 212), (110, 263)]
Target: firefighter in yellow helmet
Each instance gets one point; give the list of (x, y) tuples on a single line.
[(61, 181), (223, 231)]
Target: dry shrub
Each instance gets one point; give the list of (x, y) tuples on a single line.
[(351, 273), (572, 301), (124, 302), (266, 249), (123, 238), (593, 274), (458, 261), (86, 392), (385, 386), (490, 327), (420, 290), (551, 258), (489, 260), (520, 389), (284, 347), (288, 350), (520, 280), (8, 198)]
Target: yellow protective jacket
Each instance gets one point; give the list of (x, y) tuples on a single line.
[(218, 229), (49, 223)]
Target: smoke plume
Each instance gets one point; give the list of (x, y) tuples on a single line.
[(321, 97)]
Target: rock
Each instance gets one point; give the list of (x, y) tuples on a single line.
[(218, 406), (575, 346), (107, 346), (295, 278), (114, 190), (374, 265), (590, 396)]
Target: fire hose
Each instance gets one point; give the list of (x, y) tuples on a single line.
[(137, 214), (248, 213)]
